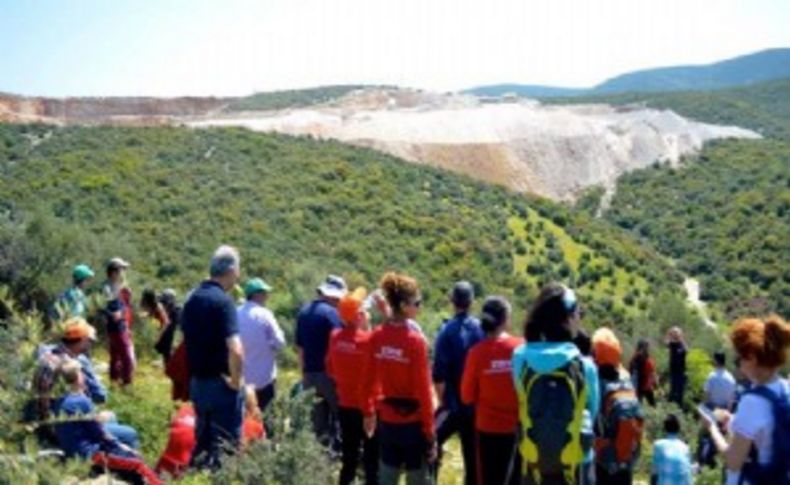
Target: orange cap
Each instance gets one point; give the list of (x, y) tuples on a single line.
[(350, 305), (606, 347), (77, 328)]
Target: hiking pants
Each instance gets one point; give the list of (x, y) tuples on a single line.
[(125, 434), (677, 387), (353, 438), (219, 412), (325, 408), (463, 424), (265, 395), (403, 447), (121, 356), (498, 461)]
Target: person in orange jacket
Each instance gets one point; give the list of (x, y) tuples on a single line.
[(347, 360), (487, 384)]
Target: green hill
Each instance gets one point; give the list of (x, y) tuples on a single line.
[(291, 98), (746, 70), (763, 107), (723, 216), (298, 208)]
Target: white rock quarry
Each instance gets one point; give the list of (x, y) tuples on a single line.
[(553, 151)]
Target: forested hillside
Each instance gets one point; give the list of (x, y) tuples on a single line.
[(723, 216), (297, 208), (763, 107)]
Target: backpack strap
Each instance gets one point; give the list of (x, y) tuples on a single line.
[(780, 407)]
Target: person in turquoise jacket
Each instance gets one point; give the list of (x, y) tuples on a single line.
[(558, 393)]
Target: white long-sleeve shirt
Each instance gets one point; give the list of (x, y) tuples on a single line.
[(262, 339)]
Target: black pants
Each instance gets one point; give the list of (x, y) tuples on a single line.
[(463, 424), (621, 477), (353, 437), (648, 395), (498, 460), (265, 395), (677, 387)]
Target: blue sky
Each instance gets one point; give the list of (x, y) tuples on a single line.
[(235, 47)]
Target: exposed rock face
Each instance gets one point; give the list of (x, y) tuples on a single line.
[(554, 151), (133, 110)]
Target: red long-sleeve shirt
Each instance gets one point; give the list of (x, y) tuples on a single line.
[(487, 383), (399, 369), (346, 362)]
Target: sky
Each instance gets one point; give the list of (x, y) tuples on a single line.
[(237, 47)]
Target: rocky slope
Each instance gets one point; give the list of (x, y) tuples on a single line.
[(554, 151)]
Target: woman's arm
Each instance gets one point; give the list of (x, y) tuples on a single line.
[(736, 452)]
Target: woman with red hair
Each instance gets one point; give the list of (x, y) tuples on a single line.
[(757, 451)]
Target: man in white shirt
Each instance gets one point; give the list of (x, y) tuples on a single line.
[(262, 338), (720, 386)]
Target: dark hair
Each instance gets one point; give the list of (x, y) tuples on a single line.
[(148, 299), (583, 342), (643, 346), (494, 313), (550, 317), (719, 359), (672, 424)]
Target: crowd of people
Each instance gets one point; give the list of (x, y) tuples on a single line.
[(547, 404)]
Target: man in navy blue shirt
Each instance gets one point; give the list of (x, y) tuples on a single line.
[(455, 338), (314, 324), (215, 357)]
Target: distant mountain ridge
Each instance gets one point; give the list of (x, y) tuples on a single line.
[(744, 70)]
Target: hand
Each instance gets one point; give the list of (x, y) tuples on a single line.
[(369, 424), (236, 386)]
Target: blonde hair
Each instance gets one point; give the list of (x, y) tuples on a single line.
[(71, 370)]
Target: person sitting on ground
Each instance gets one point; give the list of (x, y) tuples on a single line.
[(399, 374), (81, 435), (555, 385), (262, 339), (487, 385), (643, 372), (75, 343), (720, 385), (346, 361), (671, 459), (456, 337), (73, 302), (181, 440), (620, 424), (758, 449)]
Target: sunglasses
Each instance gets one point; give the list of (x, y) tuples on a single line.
[(417, 303)]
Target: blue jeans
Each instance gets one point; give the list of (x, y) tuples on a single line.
[(125, 434), (219, 412)]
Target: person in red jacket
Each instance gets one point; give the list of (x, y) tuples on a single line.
[(487, 384), (399, 374), (346, 360)]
